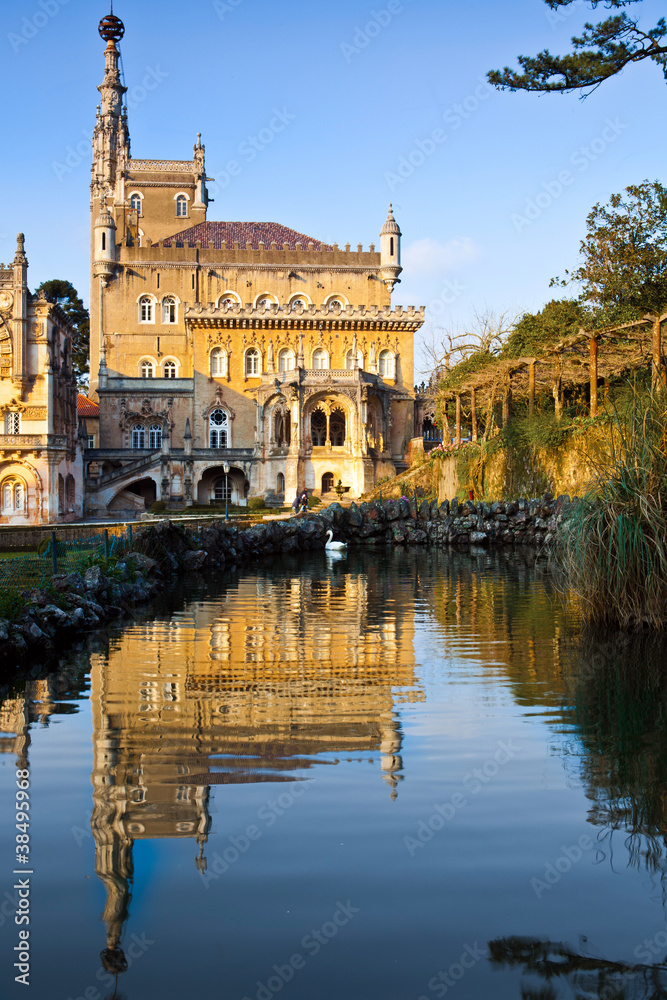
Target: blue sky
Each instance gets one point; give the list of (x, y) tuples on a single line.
[(376, 102)]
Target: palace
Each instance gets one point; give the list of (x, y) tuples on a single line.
[(231, 359)]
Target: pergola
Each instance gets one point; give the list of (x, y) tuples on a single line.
[(582, 358)]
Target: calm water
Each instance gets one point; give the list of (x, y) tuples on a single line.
[(395, 777)]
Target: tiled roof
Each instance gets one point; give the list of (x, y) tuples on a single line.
[(215, 233), (86, 407)]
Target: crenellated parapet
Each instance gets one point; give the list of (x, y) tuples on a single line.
[(334, 316)]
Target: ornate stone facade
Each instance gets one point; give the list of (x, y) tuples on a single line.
[(41, 467), (232, 344)]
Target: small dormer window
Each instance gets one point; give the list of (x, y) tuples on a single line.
[(182, 207)]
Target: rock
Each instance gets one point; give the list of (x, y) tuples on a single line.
[(78, 616), (443, 509), (478, 538), (416, 537), (4, 630), (56, 617), (35, 632), (355, 517), (71, 581), (93, 579), (393, 510), (454, 507), (425, 510)]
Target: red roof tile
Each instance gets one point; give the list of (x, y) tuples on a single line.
[(214, 233), (86, 407)]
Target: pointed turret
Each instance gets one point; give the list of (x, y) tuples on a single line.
[(390, 250), (111, 141)]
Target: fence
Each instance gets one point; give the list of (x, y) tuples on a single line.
[(24, 572)]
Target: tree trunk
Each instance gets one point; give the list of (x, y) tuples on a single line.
[(658, 366), (473, 414), (594, 376)]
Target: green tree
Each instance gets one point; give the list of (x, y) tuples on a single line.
[(64, 294), (624, 259), (536, 331), (602, 51)]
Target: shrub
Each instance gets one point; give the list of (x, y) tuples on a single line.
[(12, 603), (313, 502), (256, 503), (158, 506)]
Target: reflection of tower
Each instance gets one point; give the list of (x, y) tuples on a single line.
[(17, 712)]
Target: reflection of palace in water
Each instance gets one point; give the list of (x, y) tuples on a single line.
[(250, 690)]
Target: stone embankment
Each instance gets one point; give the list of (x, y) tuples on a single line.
[(83, 602), (410, 522)]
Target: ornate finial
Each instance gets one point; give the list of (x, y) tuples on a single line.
[(111, 28), (19, 256)]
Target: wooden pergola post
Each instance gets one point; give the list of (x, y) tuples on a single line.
[(658, 367), (473, 414), (531, 388), (458, 419), (507, 400), (594, 376)]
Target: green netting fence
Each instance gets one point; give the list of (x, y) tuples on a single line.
[(36, 569)]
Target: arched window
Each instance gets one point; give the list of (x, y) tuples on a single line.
[(349, 360), (145, 309), (104, 241), (218, 362), (228, 302), (13, 496), (61, 494), (280, 483), (318, 429), (154, 436), (12, 423), (327, 482), (335, 306), (218, 424), (298, 305), (286, 360), (147, 369), (252, 362), (320, 359), (182, 207), (169, 369), (135, 204), (386, 365), (138, 436), (169, 309), (337, 428), (70, 492)]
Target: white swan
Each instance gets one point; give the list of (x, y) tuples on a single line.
[(334, 546)]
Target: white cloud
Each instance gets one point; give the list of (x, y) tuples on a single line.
[(429, 257)]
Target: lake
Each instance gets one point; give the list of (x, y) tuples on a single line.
[(396, 775)]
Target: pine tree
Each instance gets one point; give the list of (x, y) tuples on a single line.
[(64, 294), (602, 51)]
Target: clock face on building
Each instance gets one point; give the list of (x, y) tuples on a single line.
[(6, 300)]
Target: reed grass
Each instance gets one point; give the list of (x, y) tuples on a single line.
[(612, 550)]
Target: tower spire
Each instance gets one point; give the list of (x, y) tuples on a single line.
[(110, 138)]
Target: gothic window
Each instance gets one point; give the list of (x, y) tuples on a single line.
[(286, 360), (349, 360), (169, 369), (154, 436), (70, 492), (318, 429), (13, 496), (61, 494), (282, 430), (386, 366), (337, 428), (218, 423), (182, 207), (138, 436), (169, 309), (145, 309), (135, 204), (320, 359), (12, 423), (327, 482), (280, 483), (218, 362), (222, 488), (252, 362)]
